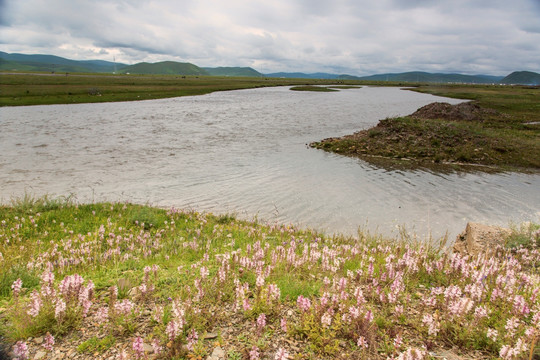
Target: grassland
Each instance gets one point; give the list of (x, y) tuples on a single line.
[(129, 281), (40, 88), (505, 136)]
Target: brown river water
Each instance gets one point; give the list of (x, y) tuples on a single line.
[(244, 152)]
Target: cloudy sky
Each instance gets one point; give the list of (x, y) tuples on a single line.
[(358, 37)]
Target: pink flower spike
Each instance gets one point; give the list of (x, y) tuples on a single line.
[(49, 341), (20, 349), (281, 354), (138, 347)]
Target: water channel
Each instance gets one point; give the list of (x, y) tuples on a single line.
[(245, 152)]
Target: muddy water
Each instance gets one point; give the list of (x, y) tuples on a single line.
[(245, 152)]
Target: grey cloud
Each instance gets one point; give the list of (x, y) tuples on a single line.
[(354, 36)]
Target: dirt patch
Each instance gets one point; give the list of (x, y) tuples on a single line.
[(464, 111)]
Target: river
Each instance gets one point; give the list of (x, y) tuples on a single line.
[(245, 152)]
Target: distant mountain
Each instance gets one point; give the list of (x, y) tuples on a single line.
[(233, 71), (299, 75), (419, 76), (164, 68), (522, 78), (23, 62)]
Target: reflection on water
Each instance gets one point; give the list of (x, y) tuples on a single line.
[(245, 152)]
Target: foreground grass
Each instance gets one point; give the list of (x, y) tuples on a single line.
[(505, 138), (38, 89), (107, 278)]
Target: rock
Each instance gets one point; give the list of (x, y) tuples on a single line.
[(147, 348), (39, 340), (217, 354), (40, 355), (479, 238), (209, 336)]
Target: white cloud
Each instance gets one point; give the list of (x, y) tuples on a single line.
[(345, 36)]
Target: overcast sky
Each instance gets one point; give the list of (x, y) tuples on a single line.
[(357, 37)]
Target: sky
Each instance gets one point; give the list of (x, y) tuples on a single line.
[(356, 37)]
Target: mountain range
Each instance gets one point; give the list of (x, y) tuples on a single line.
[(51, 63)]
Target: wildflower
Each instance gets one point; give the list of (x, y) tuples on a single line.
[(138, 347), (59, 309), (49, 341), (204, 272), (398, 341), (124, 307), (260, 281), (16, 287), (20, 349), (281, 354), (326, 320), (261, 322), (412, 354), (492, 334), (254, 353), (303, 303), (246, 304), (433, 326), (157, 347), (480, 312), (283, 324), (102, 315), (35, 304), (192, 339), (362, 342), (511, 326), (173, 329), (369, 316)]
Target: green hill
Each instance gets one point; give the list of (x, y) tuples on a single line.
[(522, 78), (24, 62), (164, 68), (420, 76), (233, 71)]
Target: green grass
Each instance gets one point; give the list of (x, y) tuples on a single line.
[(502, 140), (39, 88), (108, 244), (313, 88)]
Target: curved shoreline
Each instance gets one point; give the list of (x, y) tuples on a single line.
[(471, 134)]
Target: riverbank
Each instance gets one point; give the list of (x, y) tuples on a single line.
[(498, 130), (41, 89), (122, 280)]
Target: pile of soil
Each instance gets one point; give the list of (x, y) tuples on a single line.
[(464, 111)]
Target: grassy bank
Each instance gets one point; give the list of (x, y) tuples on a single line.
[(37, 89), (500, 134), (108, 280)]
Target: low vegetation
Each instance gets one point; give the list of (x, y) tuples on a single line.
[(500, 128), (122, 281), (41, 88), (313, 88)]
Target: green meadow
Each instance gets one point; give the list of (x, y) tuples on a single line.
[(105, 279)]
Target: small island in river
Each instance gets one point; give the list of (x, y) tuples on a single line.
[(498, 130)]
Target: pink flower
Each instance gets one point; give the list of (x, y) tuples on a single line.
[(254, 353), (326, 320), (362, 342), (173, 329), (35, 304), (138, 347), (59, 309), (492, 334), (261, 322), (49, 341), (281, 354), (20, 349), (303, 303), (283, 324), (157, 347), (16, 287)]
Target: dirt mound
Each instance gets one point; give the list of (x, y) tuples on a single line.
[(463, 111)]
